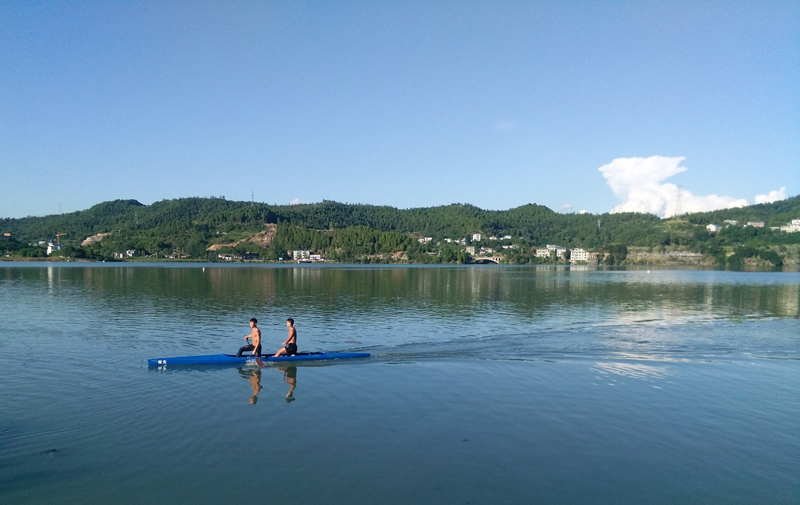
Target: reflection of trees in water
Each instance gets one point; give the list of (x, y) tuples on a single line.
[(444, 291)]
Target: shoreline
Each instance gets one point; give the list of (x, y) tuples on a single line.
[(708, 264)]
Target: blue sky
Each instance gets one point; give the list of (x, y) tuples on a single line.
[(408, 104)]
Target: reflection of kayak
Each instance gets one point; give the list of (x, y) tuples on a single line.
[(221, 359)]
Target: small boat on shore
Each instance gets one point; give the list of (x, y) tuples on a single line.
[(224, 359)]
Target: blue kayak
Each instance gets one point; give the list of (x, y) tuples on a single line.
[(224, 359)]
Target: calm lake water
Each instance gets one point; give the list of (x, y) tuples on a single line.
[(487, 385)]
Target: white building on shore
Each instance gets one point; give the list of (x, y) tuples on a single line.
[(53, 247), (301, 255), (580, 254), (559, 251)]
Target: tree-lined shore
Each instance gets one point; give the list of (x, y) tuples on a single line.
[(205, 228)]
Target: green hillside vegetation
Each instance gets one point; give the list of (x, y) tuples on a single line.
[(187, 227)]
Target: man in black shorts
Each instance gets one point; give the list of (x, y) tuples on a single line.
[(290, 344), (255, 345)]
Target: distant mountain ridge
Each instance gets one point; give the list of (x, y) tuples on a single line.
[(192, 225)]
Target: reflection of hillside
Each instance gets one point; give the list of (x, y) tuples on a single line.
[(447, 291)]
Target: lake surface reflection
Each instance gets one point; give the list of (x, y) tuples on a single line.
[(487, 384)]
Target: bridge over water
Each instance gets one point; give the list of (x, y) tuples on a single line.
[(487, 259)]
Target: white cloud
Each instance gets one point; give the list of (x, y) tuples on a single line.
[(772, 196), (298, 201), (565, 208), (638, 182)]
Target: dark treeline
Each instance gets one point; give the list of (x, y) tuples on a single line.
[(344, 232)]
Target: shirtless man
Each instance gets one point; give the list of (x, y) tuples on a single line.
[(255, 344), (290, 344)]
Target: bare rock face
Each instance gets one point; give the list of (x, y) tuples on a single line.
[(262, 239), (94, 239)]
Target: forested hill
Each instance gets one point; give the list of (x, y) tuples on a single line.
[(191, 225), (177, 220)]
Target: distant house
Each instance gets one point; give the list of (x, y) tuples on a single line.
[(792, 227), (731, 222), (476, 237), (470, 249), (316, 257), (6, 236), (250, 256), (51, 248), (542, 252), (130, 253), (424, 240), (301, 255), (713, 227), (579, 254), (558, 250), (756, 224)]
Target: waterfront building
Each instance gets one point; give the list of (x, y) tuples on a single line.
[(300, 255), (52, 247), (580, 254), (558, 250)]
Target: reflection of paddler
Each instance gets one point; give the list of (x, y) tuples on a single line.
[(254, 378), (290, 377)]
